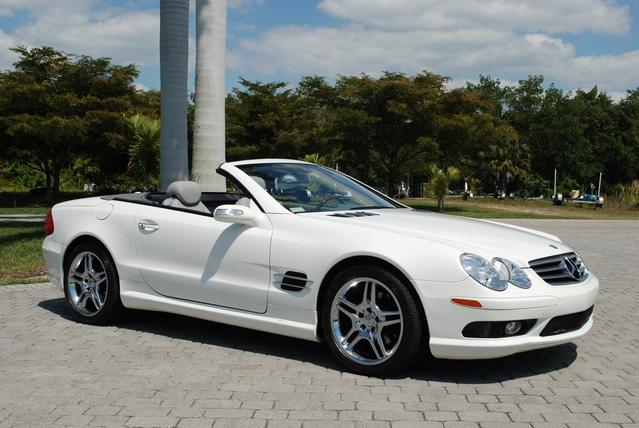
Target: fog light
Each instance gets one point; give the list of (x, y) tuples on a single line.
[(512, 328)]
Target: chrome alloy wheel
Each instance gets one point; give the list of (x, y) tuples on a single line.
[(87, 283), (366, 321)]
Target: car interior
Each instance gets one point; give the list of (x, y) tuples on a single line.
[(185, 196)]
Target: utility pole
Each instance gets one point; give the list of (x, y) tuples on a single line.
[(599, 187)]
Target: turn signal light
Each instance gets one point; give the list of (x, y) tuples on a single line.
[(466, 302), (48, 223)]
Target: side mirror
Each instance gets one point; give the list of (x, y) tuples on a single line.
[(239, 214)]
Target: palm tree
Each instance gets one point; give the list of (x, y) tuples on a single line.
[(144, 152), (208, 132), (174, 56), (440, 182)]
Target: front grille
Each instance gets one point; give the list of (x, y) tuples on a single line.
[(566, 323), (560, 270)]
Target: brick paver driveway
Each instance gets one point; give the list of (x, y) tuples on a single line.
[(163, 370)]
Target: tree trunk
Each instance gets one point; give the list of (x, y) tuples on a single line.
[(208, 131), (47, 174), (174, 57), (56, 181), (390, 184)]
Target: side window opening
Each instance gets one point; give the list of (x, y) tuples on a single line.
[(211, 200)]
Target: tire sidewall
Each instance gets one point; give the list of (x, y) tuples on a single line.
[(413, 335), (113, 305)]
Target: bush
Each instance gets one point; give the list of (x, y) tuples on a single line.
[(533, 185), (627, 194), (566, 185)]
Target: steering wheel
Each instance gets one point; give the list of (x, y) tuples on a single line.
[(324, 201)]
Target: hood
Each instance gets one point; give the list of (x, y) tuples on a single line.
[(485, 238)]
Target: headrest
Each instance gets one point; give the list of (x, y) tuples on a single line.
[(259, 180), (187, 192)]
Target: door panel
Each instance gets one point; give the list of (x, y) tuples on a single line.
[(194, 257)]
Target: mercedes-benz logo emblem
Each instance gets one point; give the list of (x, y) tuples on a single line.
[(572, 269)]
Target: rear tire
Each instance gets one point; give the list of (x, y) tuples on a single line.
[(371, 321), (92, 285)]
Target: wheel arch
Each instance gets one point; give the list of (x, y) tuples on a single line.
[(366, 260), (83, 239)]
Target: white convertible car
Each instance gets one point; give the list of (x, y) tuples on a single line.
[(301, 250)]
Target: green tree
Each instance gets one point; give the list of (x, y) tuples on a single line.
[(57, 108), (473, 136), (624, 157), (385, 126), (258, 119), (144, 152), (493, 93)]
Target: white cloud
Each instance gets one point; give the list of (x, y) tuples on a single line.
[(461, 39), (504, 38), (141, 87), (6, 56), (538, 15), (613, 72), (89, 27)]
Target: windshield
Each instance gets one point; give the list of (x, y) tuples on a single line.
[(310, 188)]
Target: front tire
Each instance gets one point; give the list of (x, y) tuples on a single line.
[(372, 322), (92, 285)]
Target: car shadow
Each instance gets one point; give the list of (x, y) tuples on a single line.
[(210, 333)]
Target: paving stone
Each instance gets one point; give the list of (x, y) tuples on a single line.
[(103, 410), (394, 415), (328, 424), (154, 369), (313, 414), (74, 420), (238, 423), (355, 415), (484, 417), (186, 412), (151, 421), (284, 424), (379, 405), (195, 423), (416, 424), (271, 414), (229, 413), (144, 411), (338, 405)]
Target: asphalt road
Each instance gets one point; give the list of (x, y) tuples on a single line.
[(163, 370)]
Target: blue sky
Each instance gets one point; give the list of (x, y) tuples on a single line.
[(574, 43)]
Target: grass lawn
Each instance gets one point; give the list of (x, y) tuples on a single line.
[(21, 258), (24, 210), (494, 208)]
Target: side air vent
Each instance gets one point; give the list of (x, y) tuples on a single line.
[(354, 214), (560, 270), (294, 281)]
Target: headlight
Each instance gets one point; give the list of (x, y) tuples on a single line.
[(494, 274)]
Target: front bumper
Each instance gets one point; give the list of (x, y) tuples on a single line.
[(541, 302)]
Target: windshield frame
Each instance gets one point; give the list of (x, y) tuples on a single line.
[(350, 182)]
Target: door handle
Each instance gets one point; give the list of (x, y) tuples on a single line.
[(148, 226)]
